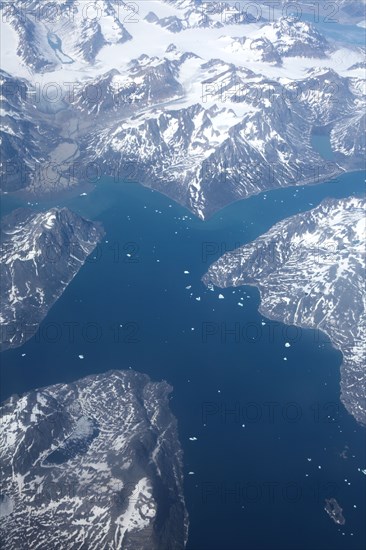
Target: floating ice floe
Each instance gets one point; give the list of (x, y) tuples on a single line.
[(83, 194), (240, 304), (188, 287), (81, 356), (221, 296), (285, 358), (263, 323), (186, 272), (308, 459), (287, 345), (191, 473), (198, 298), (192, 328), (193, 439), (24, 354)]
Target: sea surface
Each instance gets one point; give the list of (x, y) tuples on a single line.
[(267, 438)]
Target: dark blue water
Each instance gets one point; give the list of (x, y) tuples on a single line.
[(74, 446), (273, 440)]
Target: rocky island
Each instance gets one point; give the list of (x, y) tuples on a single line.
[(95, 463), (334, 511)]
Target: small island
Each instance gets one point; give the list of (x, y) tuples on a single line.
[(334, 511)]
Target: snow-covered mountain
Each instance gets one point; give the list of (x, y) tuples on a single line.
[(65, 31), (310, 271), (25, 139), (192, 19), (348, 138), (40, 253), (211, 118), (208, 157), (342, 11), (286, 37), (147, 81), (258, 49), (330, 97), (293, 38), (95, 464)]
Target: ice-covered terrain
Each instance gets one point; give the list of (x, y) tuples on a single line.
[(310, 271), (206, 102), (62, 32), (92, 464), (40, 254)]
